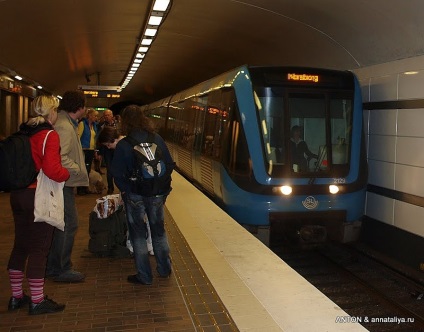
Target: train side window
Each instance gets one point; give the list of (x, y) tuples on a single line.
[(192, 123), (158, 117), (211, 144), (223, 125), (174, 121)]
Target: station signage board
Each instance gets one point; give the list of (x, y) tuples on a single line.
[(100, 91)]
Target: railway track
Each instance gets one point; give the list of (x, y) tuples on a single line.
[(369, 291)]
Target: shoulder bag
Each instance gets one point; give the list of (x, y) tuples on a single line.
[(48, 203)]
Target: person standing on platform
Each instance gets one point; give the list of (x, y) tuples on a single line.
[(109, 137), (87, 131), (59, 264), (108, 121), (138, 197), (33, 239)]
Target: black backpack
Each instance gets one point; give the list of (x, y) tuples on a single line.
[(108, 236), (151, 175), (17, 168)]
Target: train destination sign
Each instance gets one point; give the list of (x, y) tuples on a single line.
[(302, 77), (101, 94), (101, 91)]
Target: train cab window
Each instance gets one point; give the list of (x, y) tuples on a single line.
[(270, 106), (341, 125), (307, 132), (320, 125), (236, 157)]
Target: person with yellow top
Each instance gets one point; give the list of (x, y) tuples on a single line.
[(87, 132)]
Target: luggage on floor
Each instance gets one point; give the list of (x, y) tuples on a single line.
[(108, 235)]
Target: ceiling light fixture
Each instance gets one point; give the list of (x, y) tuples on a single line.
[(156, 17)]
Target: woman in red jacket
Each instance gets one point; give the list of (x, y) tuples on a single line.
[(33, 239)]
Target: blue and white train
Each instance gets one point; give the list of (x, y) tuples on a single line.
[(232, 136)]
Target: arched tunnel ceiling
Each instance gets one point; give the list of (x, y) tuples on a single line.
[(58, 42)]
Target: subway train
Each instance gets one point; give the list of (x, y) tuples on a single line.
[(280, 149)]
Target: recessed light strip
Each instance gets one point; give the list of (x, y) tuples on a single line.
[(156, 17)]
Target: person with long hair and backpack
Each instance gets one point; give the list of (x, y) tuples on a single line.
[(144, 184)]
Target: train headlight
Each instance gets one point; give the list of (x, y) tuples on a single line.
[(333, 189), (286, 190)]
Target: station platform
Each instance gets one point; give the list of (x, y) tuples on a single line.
[(223, 279)]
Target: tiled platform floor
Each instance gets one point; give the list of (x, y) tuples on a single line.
[(106, 301)]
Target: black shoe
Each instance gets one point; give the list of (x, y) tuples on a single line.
[(134, 280), (16, 303), (70, 276), (46, 306)]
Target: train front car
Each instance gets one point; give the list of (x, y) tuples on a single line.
[(306, 174)]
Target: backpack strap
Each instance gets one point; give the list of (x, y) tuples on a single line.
[(134, 142), (45, 139)]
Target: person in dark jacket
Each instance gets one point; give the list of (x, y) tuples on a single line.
[(139, 199), (299, 149), (33, 239), (108, 120)]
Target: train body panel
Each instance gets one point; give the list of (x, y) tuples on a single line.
[(238, 137), (254, 209)]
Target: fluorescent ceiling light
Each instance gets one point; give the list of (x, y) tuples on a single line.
[(18, 77), (137, 60), (146, 41), (140, 55), (155, 20), (39, 87), (143, 49), (150, 32), (161, 5)]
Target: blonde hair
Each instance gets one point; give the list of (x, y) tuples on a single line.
[(41, 108), (90, 111)]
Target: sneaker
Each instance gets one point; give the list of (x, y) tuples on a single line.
[(16, 303), (134, 280), (46, 306), (70, 276)]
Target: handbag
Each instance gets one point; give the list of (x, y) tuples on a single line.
[(48, 203)]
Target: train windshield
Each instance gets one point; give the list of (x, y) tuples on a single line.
[(305, 132)]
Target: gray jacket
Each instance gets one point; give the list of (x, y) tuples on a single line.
[(71, 150)]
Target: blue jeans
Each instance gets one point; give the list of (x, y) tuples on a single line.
[(136, 206), (59, 260)]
